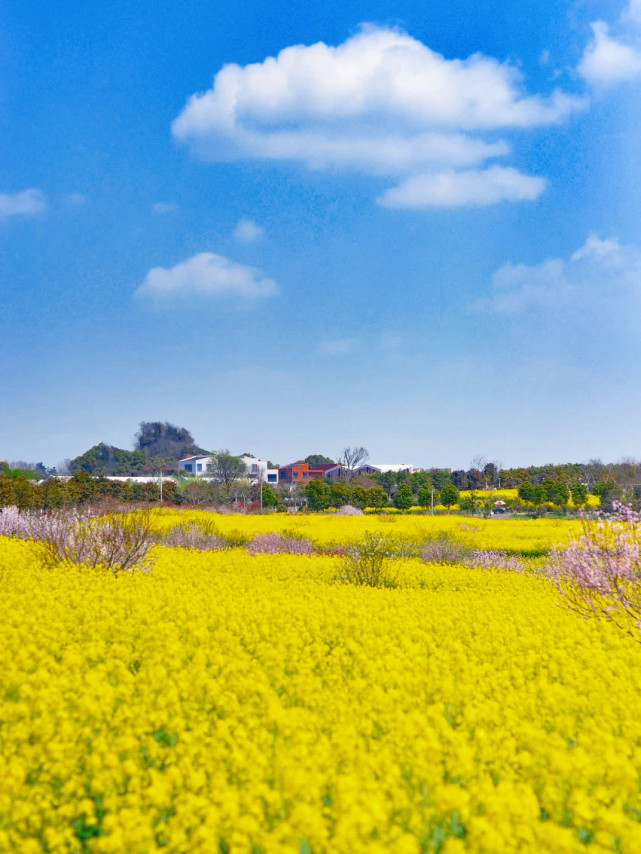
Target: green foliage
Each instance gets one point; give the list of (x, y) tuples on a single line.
[(579, 494), (403, 499), (366, 563), (557, 492), (162, 439), (526, 491), (470, 502), (317, 460), (13, 473), (449, 495), (108, 460), (270, 496), (339, 495), (425, 495), (318, 494)]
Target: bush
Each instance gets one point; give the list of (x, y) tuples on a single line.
[(349, 510), (482, 559), (119, 543), (599, 573), (444, 549), (193, 536), (275, 543), (367, 562)]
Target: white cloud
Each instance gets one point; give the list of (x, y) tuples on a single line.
[(381, 103), (611, 59), (606, 60), (24, 203), (338, 346), (207, 275), (474, 187), (601, 280), (248, 231), (632, 12), (165, 208)]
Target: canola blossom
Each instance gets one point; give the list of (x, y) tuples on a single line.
[(229, 702), (517, 536)]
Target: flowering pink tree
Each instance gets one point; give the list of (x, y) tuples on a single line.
[(599, 573)]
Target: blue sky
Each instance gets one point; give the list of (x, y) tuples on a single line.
[(292, 228)]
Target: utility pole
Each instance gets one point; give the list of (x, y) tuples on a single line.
[(161, 486), (432, 501)]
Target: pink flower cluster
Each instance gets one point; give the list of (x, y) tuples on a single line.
[(276, 543), (599, 573)]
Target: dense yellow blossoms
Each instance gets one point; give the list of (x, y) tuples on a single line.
[(229, 703), (516, 535)]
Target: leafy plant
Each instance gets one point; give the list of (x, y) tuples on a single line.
[(367, 562)]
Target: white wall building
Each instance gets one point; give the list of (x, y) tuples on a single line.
[(197, 464), (201, 465)]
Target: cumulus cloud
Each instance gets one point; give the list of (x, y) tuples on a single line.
[(207, 275), (165, 208), (24, 203), (381, 103), (601, 279), (472, 187), (248, 231), (610, 59), (338, 346)]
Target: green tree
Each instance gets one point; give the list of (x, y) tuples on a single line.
[(339, 495), (376, 497), (403, 499), (317, 493), (540, 494), (558, 493), (425, 495), (270, 496), (449, 495), (317, 460), (226, 470), (579, 494), (526, 491)]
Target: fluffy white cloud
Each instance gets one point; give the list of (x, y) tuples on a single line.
[(207, 275), (611, 59), (600, 280), (24, 203), (338, 346), (473, 187), (380, 103), (248, 231)]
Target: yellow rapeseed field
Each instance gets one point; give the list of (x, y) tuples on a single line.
[(230, 703), (513, 535)]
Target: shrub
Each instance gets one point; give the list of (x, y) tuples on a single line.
[(193, 536), (599, 573), (275, 543), (349, 510), (367, 562), (487, 559), (14, 522), (119, 543), (444, 549)]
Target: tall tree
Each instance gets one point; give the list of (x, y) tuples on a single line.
[(226, 469), (162, 439), (352, 458)]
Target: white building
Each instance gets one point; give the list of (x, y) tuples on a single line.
[(201, 465), (257, 469), (197, 464)]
